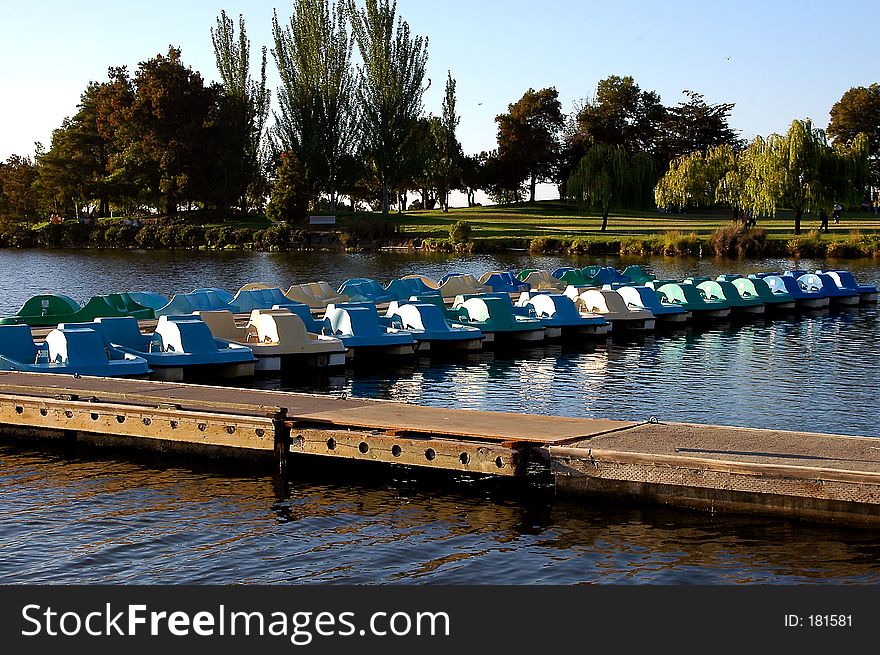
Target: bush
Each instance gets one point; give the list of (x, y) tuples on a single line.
[(640, 246), (545, 245), (460, 232), (809, 245), (76, 235), (148, 236), (368, 230), (120, 236), (678, 243), (581, 246), (737, 240)]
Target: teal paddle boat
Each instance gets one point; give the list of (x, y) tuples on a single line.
[(51, 309)]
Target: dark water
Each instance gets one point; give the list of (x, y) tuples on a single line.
[(88, 518)]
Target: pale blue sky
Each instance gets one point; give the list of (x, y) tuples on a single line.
[(776, 59)]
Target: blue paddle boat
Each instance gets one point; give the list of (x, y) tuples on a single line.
[(504, 282), (642, 297), (361, 289), (560, 317), (357, 326), (405, 288), (824, 284), (180, 346), (846, 280), (803, 298), (69, 350), (429, 327)]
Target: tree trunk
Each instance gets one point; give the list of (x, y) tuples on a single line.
[(403, 199), (797, 220), (604, 221), (386, 200), (532, 186)]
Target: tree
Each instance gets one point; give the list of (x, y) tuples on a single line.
[(801, 171), (18, 177), (609, 177), (471, 177), (696, 126), (391, 89), (317, 115), (528, 136), (448, 164), (243, 111), (858, 112), (165, 147), (621, 114), (289, 200)]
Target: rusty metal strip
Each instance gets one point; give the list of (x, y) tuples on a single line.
[(448, 454), (146, 422)]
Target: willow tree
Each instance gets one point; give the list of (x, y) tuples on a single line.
[(245, 109), (608, 177), (391, 89), (317, 117), (800, 170)]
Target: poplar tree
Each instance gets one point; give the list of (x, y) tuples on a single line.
[(449, 149), (317, 116), (608, 177), (391, 89), (245, 109)]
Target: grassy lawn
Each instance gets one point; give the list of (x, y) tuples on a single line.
[(558, 219)]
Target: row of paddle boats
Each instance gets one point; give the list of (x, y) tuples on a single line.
[(199, 332)]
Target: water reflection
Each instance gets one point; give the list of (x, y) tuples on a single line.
[(89, 519)]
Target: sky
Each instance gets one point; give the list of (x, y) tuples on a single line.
[(778, 60)]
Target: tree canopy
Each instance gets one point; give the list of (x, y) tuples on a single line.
[(608, 177), (391, 90), (529, 137)]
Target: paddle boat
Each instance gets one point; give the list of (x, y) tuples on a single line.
[(541, 280), (504, 282), (637, 275), (749, 287), (429, 327), (804, 299), (357, 325), (361, 289), (68, 350), (277, 337), (316, 295), (254, 296), (690, 298), (180, 346), (454, 317), (149, 299), (573, 277), (610, 304), (48, 310), (724, 291), (599, 276), (846, 280), (433, 285), (825, 284), (457, 284), (405, 288), (645, 298), (493, 314), (560, 317), (200, 300)]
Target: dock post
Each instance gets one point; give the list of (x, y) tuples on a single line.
[(282, 438)]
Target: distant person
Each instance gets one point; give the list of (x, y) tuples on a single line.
[(823, 220), (836, 214)]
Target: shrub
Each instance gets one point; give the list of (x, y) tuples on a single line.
[(809, 245), (460, 232), (148, 236), (737, 240), (543, 244), (76, 235), (678, 243), (640, 246), (581, 246), (120, 236)]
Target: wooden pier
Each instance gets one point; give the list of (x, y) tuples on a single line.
[(826, 478)]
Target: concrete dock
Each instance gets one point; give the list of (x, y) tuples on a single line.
[(826, 478)]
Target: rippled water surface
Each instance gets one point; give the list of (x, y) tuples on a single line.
[(83, 517)]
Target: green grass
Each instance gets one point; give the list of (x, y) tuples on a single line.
[(554, 218)]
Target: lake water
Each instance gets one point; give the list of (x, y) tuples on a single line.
[(88, 518)]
